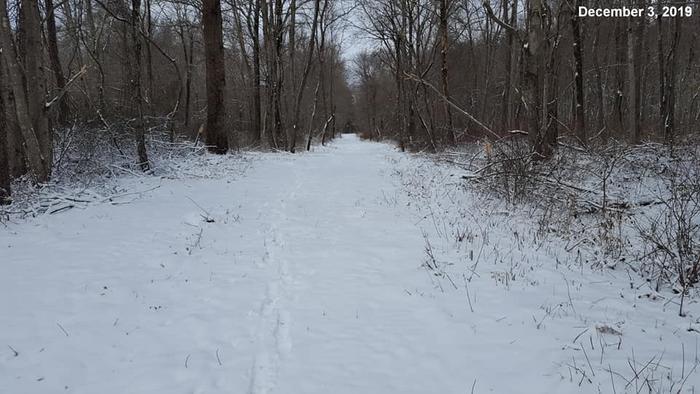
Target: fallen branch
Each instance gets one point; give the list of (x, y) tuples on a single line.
[(452, 104), (65, 88)]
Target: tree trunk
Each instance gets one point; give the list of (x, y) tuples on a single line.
[(292, 139), (620, 60), (580, 112), (5, 189), (632, 88), (15, 152), (149, 56), (216, 76), (662, 79), (669, 118), (52, 43), (444, 45), (95, 53), (534, 79), (137, 93), (37, 162), (36, 84), (279, 73), (188, 53), (258, 130)]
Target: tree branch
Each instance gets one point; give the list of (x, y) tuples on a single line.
[(63, 91), (453, 105)]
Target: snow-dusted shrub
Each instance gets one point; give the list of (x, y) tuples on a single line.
[(671, 233), (506, 168), (91, 161), (632, 207)]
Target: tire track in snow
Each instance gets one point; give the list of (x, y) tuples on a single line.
[(273, 338)]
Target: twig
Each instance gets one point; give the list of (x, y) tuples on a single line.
[(65, 88), (208, 217), (587, 359), (579, 335), (16, 353), (61, 209), (568, 292), (452, 104), (466, 287), (612, 380), (197, 243), (217, 357), (110, 198), (62, 329)]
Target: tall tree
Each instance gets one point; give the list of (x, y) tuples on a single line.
[(304, 76), (444, 45), (257, 98), (36, 83), (216, 136), (136, 85), (52, 46), (634, 50), (580, 111), (30, 116), (507, 104), (5, 190), (668, 96)]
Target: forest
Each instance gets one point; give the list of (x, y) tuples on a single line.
[(272, 74), (312, 196), (237, 74)]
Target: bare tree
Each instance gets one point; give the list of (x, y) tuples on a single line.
[(669, 62), (136, 86), (444, 46), (5, 187), (580, 110), (36, 83), (52, 46), (30, 115), (216, 76), (305, 75)]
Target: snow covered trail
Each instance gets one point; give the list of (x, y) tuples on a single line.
[(303, 276), (293, 279)]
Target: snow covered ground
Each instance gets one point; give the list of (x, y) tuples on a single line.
[(353, 269)]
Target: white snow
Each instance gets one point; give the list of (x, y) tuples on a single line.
[(307, 275)]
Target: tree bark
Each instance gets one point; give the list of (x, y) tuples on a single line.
[(5, 187), (580, 112), (534, 79), (188, 53), (216, 77), (670, 71), (661, 61), (149, 56), (36, 84), (258, 135), (136, 86), (444, 46), (620, 59), (52, 43), (37, 162), (632, 86), (39, 165), (17, 163), (304, 77), (600, 97), (251, 12)]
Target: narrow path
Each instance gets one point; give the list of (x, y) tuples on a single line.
[(349, 257), (301, 282), (305, 276)]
